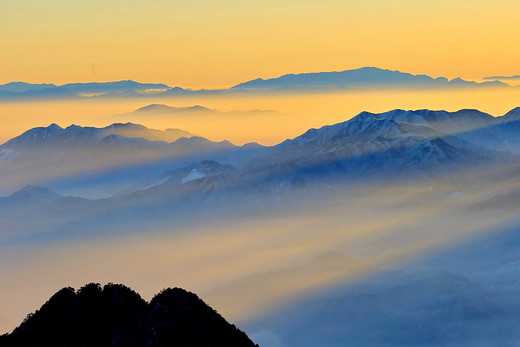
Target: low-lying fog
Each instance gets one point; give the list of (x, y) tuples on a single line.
[(252, 265)]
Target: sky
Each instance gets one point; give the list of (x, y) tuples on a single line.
[(209, 44)]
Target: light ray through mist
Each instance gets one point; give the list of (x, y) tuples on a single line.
[(379, 229)]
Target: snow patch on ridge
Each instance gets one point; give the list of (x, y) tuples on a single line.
[(193, 175)]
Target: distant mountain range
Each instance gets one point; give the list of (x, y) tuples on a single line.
[(161, 111), (160, 108), (363, 78), (70, 184), (394, 145), (127, 88), (88, 136), (356, 79), (399, 144), (115, 315), (55, 153), (502, 77), (146, 180)]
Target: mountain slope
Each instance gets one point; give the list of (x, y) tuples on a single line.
[(116, 315), (394, 145), (362, 78), (45, 154), (85, 136), (145, 181)]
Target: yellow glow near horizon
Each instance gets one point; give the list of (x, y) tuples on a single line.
[(293, 113), (203, 43), (258, 259)]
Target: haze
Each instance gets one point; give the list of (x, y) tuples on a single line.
[(294, 113), (398, 227)]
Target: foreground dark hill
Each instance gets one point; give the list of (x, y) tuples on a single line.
[(115, 315)]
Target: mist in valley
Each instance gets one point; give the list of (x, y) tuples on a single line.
[(275, 237)]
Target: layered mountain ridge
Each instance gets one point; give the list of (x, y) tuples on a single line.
[(399, 143), (146, 181), (362, 78), (377, 184), (81, 136), (355, 79)]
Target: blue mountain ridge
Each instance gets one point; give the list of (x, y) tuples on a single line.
[(362, 78)]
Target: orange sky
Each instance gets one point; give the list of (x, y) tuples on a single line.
[(203, 43)]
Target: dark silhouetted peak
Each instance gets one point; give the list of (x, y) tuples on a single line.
[(115, 315), (179, 315)]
